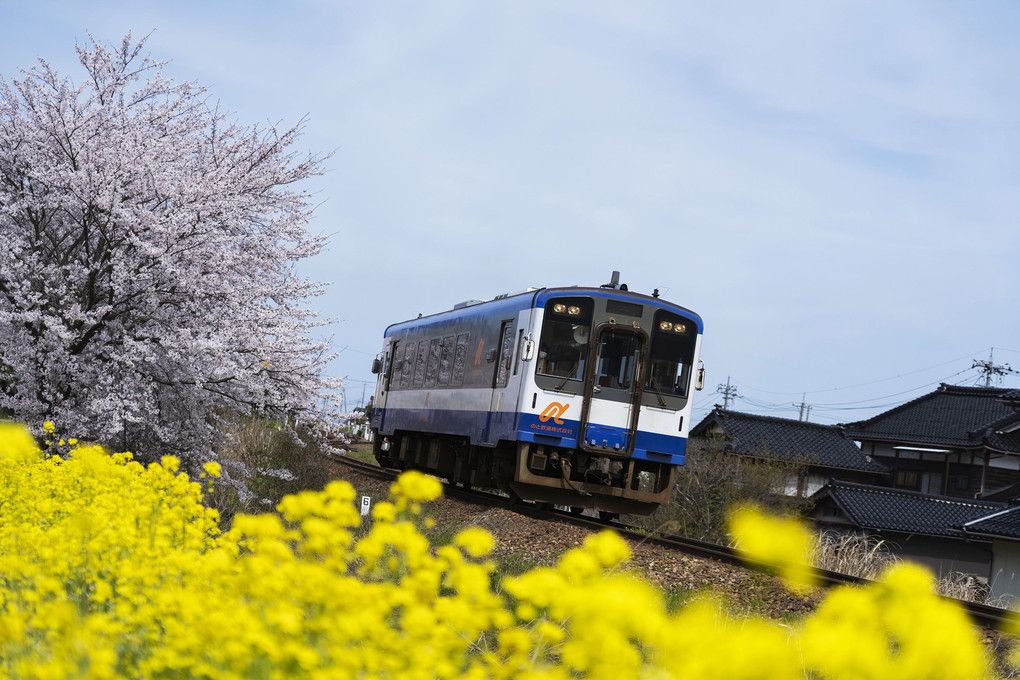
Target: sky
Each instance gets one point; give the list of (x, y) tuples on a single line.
[(833, 187)]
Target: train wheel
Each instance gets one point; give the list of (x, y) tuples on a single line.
[(576, 510), (609, 516)]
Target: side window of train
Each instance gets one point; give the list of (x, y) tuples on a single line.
[(432, 370), (446, 360), (419, 363), (407, 367), (506, 353), (460, 359)]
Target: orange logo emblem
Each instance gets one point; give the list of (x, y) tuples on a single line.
[(553, 412)]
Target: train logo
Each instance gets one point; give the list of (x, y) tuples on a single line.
[(553, 412)]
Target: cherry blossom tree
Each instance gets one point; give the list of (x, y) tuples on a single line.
[(148, 246)]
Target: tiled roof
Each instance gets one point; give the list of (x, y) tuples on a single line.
[(950, 416), (1004, 435), (884, 509), (769, 437), (1004, 523)]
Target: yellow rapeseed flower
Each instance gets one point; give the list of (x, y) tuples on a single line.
[(16, 443), (783, 544), (416, 486), (112, 570), (475, 541)]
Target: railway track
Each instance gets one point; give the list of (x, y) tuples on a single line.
[(983, 615)]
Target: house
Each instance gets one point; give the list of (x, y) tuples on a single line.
[(1002, 528), (917, 526), (956, 441), (823, 452)]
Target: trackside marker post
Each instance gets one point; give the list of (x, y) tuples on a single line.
[(366, 505)]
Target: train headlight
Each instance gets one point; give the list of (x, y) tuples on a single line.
[(559, 308), (679, 328), (573, 311), (666, 326)]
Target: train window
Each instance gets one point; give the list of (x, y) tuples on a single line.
[(563, 348), (671, 356), (407, 367), (432, 369), (446, 360), (619, 353), (506, 353), (419, 364), (460, 359), (520, 349)]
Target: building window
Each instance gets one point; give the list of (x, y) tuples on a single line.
[(908, 479)]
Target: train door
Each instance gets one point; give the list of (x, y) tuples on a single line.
[(612, 391), (499, 418), (383, 387)]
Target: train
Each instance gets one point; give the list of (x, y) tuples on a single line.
[(577, 397)]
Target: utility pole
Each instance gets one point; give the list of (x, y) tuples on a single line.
[(990, 368), (728, 392), (805, 408)]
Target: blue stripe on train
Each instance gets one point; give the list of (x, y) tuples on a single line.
[(487, 427)]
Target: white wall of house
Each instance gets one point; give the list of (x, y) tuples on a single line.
[(1004, 578), (812, 483)]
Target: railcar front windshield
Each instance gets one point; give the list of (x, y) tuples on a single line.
[(563, 348), (671, 356)]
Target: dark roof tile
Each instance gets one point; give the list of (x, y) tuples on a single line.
[(769, 437), (1004, 523), (952, 415), (884, 509)]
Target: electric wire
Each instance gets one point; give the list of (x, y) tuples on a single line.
[(870, 382), (828, 410)]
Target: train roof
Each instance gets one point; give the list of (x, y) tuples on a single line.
[(536, 297)]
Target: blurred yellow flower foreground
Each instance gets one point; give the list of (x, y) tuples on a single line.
[(109, 569)]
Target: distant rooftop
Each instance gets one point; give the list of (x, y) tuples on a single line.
[(881, 508), (1004, 523), (794, 440), (952, 415)]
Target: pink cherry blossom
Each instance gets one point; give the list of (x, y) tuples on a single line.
[(148, 245)]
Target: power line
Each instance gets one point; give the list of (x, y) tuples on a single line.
[(897, 394), (871, 382)]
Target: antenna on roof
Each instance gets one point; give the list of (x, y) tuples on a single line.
[(614, 283)]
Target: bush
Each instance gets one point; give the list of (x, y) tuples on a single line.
[(109, 569), (263, 462), (712, 482)]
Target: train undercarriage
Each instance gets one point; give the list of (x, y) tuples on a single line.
[(534, 472)]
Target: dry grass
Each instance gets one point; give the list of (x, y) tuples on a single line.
[(867, 557), (262, 463), (852, 554)]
